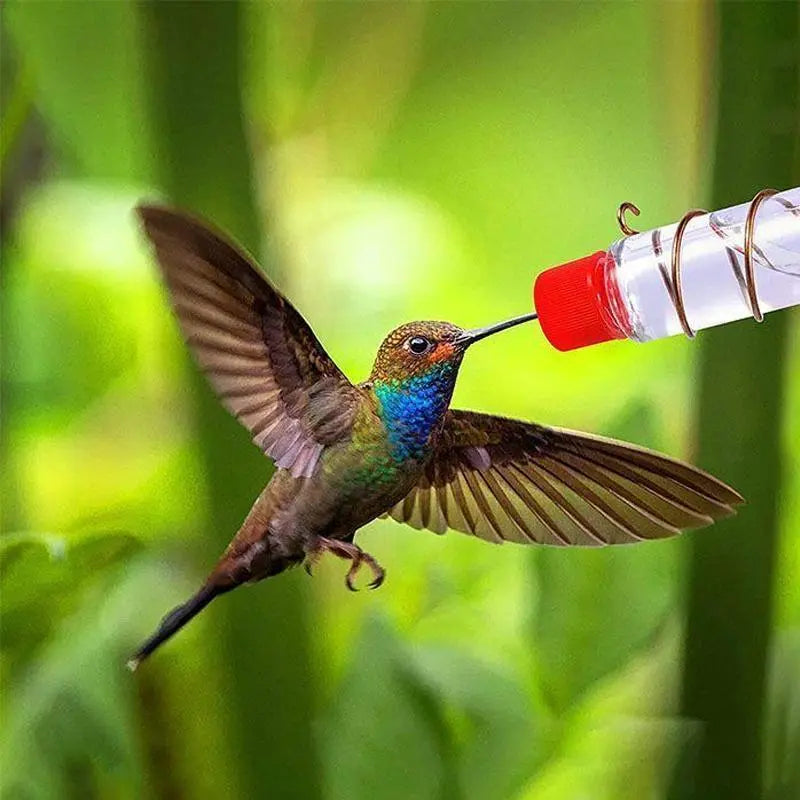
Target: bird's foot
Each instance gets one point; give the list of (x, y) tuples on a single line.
[(350, 552), (378, 573)]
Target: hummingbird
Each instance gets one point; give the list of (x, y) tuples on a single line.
[(346, 453)]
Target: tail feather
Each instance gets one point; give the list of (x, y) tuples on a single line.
[(175, 620)]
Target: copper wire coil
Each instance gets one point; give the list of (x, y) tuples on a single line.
[(673, 276)]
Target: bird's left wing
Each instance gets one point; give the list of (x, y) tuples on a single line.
[(260, 355), (507, 480)]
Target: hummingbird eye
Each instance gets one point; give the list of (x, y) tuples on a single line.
[(418, 345)]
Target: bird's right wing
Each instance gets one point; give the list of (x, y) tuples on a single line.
[(260, 355), (507, 480)]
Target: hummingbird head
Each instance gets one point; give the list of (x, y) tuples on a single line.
[(414, 376), (419, 348)]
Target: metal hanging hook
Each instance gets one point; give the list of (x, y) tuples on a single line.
[(622, 222)]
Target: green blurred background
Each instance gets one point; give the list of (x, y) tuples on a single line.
[(388, 162)]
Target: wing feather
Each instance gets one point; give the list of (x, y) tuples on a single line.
[(506, 480), (260, 355)]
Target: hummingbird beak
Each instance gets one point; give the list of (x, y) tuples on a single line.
[(470, 337)]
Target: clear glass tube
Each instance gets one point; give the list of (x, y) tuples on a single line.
[(638, 269)]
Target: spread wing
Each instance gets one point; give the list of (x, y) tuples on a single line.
[(505, 480), (260, 355)]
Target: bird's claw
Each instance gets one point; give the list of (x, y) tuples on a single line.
[(350, 551), (378, 572)]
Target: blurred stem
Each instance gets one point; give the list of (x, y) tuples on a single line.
[(203, 163), (741, 389), (21, 155), (16, 110)]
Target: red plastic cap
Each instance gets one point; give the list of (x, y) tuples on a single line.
[(572, 303)]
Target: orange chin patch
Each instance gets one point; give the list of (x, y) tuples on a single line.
[(442, 352)]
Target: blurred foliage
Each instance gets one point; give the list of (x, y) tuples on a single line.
[(196, 111), (730, 596), (389, 161)]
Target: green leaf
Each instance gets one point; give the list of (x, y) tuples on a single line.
[(70, 716), (378, 738), (499, 737), (45, 577)]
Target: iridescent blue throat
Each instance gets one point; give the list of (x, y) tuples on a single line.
[(411, 407)]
